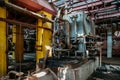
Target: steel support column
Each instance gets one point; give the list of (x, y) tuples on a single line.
[(14, 39), (3, 43), (19, 43)]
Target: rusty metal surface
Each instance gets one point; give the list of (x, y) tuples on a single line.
[(35, 5), (44, 74), (47, 7), (28, 12), (80, 73), (62, 62)]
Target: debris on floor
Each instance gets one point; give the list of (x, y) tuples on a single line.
[(106, 72)]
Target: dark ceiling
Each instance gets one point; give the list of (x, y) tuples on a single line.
[(97, 9), (101, 11)]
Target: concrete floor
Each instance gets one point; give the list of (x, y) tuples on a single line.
[(104, 75), (113, 60), (106, 72)]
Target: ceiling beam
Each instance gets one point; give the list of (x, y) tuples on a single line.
[(23, 24), (28, 12)]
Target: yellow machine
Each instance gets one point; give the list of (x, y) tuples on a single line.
[(43, 39), (3, 43), (43, 36)]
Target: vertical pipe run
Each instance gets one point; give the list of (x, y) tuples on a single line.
[(109, 43), (68, 35), (75, 25)]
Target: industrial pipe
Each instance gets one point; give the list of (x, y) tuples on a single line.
[(108, 16), (107, 13), (68, 36), (96, 3), (101, 9), (23, 10)]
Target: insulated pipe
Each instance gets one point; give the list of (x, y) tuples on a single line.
[(101, 9), (23, 10), (75, 25), (108, 16), (96, 3), (107, 13)]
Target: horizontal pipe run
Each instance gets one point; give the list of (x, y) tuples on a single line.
[(91, 4), (108, 16), (22, 10), (74, 3), (107, 13), (22, 23), (101, 9)]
